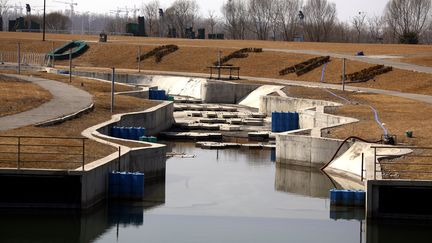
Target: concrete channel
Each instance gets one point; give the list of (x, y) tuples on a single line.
[(202, 113)]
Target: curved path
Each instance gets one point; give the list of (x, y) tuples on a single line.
[(67, 100)]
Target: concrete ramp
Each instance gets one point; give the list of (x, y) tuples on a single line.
[(181, 86), (350, 163), (253, 99)]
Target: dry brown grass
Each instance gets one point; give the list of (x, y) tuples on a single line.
[(73, 128), (18, 96), (196, 55)]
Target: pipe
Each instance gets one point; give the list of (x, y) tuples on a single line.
[(340, 147)]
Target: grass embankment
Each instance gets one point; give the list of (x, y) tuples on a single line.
[(398, 114), (73, 128), (18, 96), (195, 56)]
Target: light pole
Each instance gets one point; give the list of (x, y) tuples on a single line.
[(43, 31)]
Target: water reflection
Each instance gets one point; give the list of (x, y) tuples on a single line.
[(304, 181), (74, 226)]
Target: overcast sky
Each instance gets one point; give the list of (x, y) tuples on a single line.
[(346, 8)]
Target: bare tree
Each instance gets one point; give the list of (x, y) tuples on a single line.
[(288, 18), (57, 21), (212, 20), (4, 8), (151, 12), (235, 15), (376, 28), (181, 15), (407, 16), (320, 18), (359, 22), (261, 13)]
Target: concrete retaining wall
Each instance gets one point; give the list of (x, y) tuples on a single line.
[(149, 160), (306, 150), (155, 119), (225, 92), (269, 104)]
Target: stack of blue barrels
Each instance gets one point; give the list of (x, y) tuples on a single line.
[(148, 139), (124, 185), (285, 121), (347, 198), (155, 94), (131, 133)]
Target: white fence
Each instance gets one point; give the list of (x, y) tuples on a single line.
[(27, 58)]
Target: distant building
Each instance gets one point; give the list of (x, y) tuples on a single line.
[(136, 29), (23, 26)]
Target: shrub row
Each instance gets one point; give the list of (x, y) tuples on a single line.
[(159, 52), (368, 73), (305, 66), (242, 53)]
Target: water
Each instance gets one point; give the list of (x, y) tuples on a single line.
[(219, 196)]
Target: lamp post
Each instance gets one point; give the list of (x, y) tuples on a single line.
[(43, 31)]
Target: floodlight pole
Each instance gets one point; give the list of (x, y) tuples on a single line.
[(219, 64), (53, 56), (43, 31)]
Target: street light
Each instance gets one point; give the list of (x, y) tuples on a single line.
[(44, 9)]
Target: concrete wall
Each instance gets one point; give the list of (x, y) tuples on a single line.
[(399, 199), (149, 160), (269, 104), (306, 150), (155, 119), (225, 92)]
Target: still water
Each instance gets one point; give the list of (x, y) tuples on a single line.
[(218, 196)]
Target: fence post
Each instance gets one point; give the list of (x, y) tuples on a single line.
[(19, 58), (83, 153), (343, 73), (53, 58), (139, 59), (119, 158), (375, 162), (70, 65), (19, 154), (112, 90), (362, 167)]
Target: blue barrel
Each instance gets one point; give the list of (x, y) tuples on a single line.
[(335, 197), (273, 155), (134, 133), (114, 184), (274, 121), (280, 122), (162, 95), (283, 125), (348, 198), (137, 185), (360, 198), (141, 132), (123, 132), (296, 121), (125, 185), (115, 132), (151, 94)]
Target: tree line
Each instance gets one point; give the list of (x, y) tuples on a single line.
[(403, 21)]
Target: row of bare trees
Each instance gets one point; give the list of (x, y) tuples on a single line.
[(404, 21)]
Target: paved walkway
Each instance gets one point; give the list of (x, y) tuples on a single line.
[(67, 100)]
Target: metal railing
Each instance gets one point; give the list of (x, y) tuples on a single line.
[(418, 162), (42, 152)]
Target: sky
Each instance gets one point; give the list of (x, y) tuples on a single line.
[(346, 8)]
